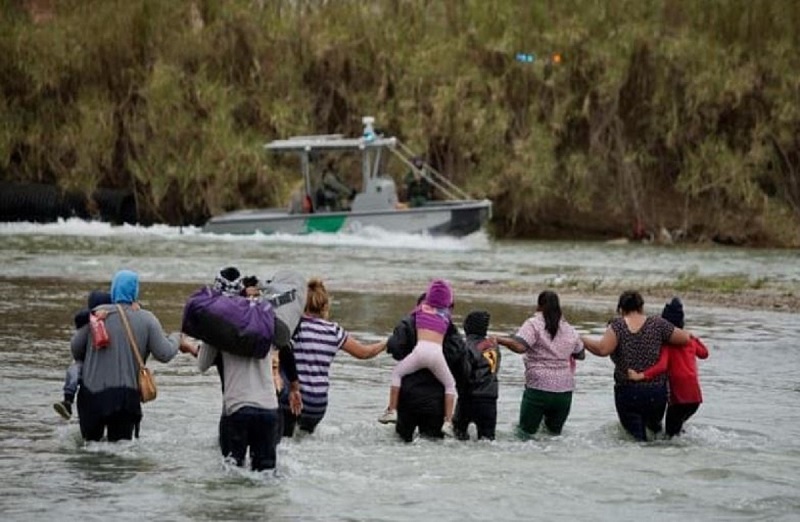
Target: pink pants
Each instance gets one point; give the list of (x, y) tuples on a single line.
[(429, 355)]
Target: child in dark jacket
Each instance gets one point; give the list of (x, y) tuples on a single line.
[(478, 403), (680, 363), (73, 377)]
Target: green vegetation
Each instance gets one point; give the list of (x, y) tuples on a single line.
[(679, 114), (723, 284)]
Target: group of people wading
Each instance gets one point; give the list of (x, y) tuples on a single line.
[(267, 398)]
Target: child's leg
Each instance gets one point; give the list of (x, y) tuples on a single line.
[(677, 414), (411, 363), (435, 362), (485, 415), (394, 397), (462, 418), (449, 406), (71, 381)]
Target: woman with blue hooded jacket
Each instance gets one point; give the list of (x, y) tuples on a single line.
[(108, 400)]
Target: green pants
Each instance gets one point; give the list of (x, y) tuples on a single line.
[(537, 404)]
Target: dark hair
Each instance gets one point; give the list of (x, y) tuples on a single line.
[(550, 307), (630, 301), (249, 281)]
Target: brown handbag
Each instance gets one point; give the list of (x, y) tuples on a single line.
[(147, 383)]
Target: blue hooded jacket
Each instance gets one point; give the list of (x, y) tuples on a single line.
[(125, 287)]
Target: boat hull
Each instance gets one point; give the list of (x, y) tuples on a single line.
[(450, 218)]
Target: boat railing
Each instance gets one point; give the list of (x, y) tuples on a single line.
[(317, 137), (436, 178)]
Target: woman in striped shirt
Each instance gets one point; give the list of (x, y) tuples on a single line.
[(316, 342)]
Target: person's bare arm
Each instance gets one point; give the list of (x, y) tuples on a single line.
[(602, 347), (513, 343), (679, 337), (362, 351)]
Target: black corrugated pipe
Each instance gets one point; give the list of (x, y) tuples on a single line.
[(47, 203), (116, 206)]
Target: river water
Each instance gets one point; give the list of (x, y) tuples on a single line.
[(738, 460)]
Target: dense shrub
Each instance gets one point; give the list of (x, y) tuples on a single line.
[(671, 114)]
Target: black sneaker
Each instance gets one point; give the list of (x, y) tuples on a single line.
[(64, 409)]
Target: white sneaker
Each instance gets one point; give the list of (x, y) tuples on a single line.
[(447, 430), (388, 417)]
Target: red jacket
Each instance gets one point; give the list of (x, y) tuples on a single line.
[(681, 367)]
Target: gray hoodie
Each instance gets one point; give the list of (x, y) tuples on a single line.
[(115, 365)]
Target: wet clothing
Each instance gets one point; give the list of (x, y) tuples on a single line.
[(640, 407), (478, 401), (250, 407), (109, 393), (316, 342), (549, 377), (641, 404), (536, 405), (254, 428), (480, 410), (421, 401), (677, 415), (685, 397)]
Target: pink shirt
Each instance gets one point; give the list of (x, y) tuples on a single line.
[(430, 318), (547, 361)]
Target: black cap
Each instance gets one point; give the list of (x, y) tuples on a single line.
[(673, 312), (477, 323)]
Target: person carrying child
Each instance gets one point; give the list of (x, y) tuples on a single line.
[(73, 377), (680, 363), (432, 319)]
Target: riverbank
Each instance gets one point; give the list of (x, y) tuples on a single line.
[(763, 297)]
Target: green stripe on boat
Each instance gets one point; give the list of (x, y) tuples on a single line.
[(324, 223)]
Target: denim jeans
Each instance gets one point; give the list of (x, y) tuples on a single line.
[(253, 428)]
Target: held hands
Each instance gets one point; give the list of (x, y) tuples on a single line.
[(295, 400), (634, 375), (186, 347)]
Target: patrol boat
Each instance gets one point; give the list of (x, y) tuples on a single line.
[(374, 204)]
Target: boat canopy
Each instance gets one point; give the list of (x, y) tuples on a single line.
[(370, 145), (327, 142)]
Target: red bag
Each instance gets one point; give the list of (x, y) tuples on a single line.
[(99, 332)]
